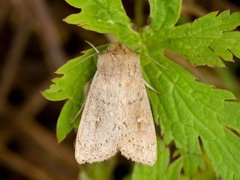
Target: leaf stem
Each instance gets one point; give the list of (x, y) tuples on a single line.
[(139, 13)]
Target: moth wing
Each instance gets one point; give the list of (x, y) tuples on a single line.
[(138, 139), (97, 134)]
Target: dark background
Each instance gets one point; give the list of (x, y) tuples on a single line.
[(34, 42)]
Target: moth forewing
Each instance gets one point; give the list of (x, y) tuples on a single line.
[(97, 135), (117, 114), (138, 141)]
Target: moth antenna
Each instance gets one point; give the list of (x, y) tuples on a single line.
[(86, 90), (92, 46), (79, 112), (152, 60), (88, 57), (150, 87)]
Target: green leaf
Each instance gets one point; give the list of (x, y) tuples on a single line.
[(76, 73), (164, 13), (188, 110), (104, 16), (208, 40), (98, 171), (161, 169), (74, 3)]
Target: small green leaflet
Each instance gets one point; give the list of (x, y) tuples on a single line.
[(165, 17), (104, 16), (207, 40), (198, 118)]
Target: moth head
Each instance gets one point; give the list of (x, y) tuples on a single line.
[(108, 64), (117, 59)]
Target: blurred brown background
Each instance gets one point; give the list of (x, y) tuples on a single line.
[(34, 42)]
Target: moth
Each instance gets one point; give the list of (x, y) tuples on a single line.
[(117, 114)]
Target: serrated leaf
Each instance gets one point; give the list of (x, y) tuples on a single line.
[(64, 123), (187, 110), (104, 16), (74, 3), (161, 169), (164, 13), (76, 73), (208, 40)]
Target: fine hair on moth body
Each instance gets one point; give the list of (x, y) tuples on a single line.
[(117, 114)]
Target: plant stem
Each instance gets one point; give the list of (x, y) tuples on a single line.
[(139, 13)]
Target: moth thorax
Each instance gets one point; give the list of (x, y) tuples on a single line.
[(110, 65)]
